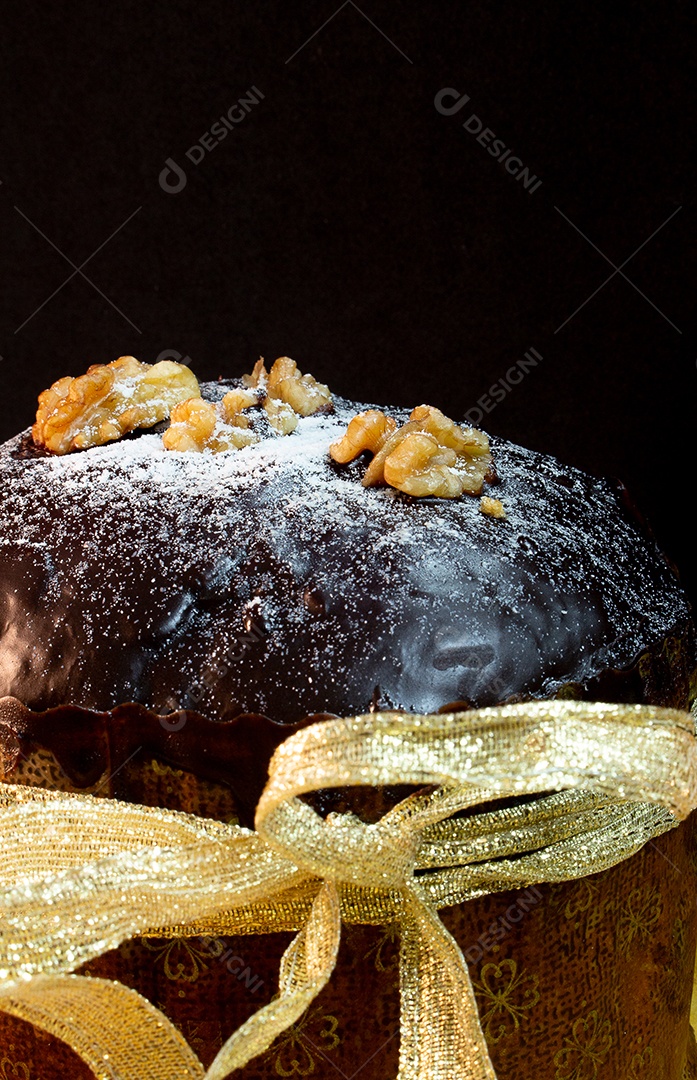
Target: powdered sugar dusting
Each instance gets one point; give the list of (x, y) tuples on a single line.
[(131, 572)]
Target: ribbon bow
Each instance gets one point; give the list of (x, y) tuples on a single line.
[(80, 875)]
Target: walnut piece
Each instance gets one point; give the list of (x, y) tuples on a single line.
[(288, 393), (204, 425), (472, 457), (109, 401), (259, 377), (284, 393), (234, 402), (302, 392), (429, 455), (368, 430), (282, 417), (492, 507), (419, 466)]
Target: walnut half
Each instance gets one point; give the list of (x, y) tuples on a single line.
[(109, 401), (429, 455)]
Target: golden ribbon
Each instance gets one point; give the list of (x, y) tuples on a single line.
[(80, 875)]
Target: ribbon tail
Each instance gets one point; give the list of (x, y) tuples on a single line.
[(92, 1015), (97, 906), (440, 1033), (306, 967)]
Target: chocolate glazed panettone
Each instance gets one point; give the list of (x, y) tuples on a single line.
[(168, 618)]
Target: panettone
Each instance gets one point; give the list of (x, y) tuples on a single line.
[(169, 613)]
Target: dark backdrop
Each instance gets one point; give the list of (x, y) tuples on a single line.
[(347, 222)]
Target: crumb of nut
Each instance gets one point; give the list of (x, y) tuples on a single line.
[(200, 425), (192, 424), (367, 430), (429, 455), (109, 401), (282, 368), (492, 507)]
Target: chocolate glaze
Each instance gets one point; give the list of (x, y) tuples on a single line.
[(268, 581)]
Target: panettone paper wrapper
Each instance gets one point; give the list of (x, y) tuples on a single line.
[(572, 976)]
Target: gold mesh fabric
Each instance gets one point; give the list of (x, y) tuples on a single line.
[(79, 875)]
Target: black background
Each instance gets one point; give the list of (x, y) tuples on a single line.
[(347, 223)]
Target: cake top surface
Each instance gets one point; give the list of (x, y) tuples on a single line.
[(268, 579)]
